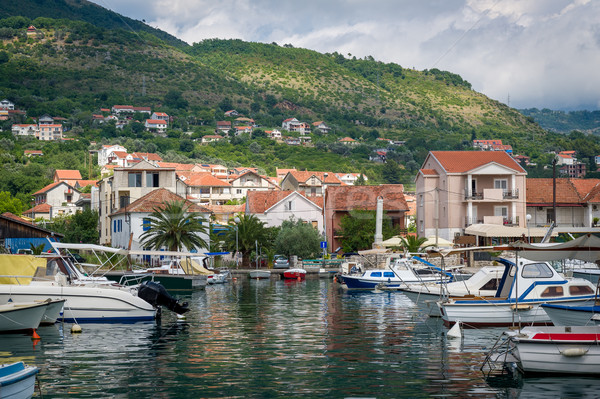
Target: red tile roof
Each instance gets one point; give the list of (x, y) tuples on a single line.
[(62, 174), (157, 199), (147, 155), (365, 197), (155, 121), (540, 192), (464, 161), (177, 166), (203, 179), (303, 176), (429, 172), (260, 201), (48, 187), (40, 208)]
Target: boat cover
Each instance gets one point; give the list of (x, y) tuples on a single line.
[(19, 265)]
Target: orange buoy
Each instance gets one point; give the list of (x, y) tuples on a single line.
[(35, 335)]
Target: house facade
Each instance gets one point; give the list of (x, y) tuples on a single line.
[(106, 153), (275, 207), (240, 185), (310, 183), (341, 200), (126, 185), (59, 199), (127, 224), (456, 189), (203, 188)]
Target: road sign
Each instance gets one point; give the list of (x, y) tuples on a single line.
[(323, 244)]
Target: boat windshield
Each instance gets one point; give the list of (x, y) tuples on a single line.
[(536, 270)]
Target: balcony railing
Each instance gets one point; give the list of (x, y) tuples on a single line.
[(469, 221), (469, 194), (510, 194), (508, 221)]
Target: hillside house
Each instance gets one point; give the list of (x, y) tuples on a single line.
[(310, 183), (458, 189), (203, 188), (275, 207), (321, 126)]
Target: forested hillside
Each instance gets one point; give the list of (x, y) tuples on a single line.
[(72, 69)]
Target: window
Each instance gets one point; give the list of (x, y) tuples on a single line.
[(501, 183), (375, 274), (289, 206), (490, 285), (135, 179), (580, 290), (120, 225), (151, 180), (388, 274), (123, 201), (552, 292), (146, 224), (114, 226), (501, 211), (536, 270), (238, 191)]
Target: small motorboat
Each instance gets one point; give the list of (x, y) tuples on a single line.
[(295, 274), (17, 380), (220, 277), (53, 311), (581, 314), (561, 350), (23, 316), (259, 274)]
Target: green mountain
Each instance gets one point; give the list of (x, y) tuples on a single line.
[(565, 122), (81, 10), (83, 58)]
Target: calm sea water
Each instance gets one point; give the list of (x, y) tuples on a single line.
[(277, 339)]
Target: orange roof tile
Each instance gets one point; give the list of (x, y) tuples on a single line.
[(540, 191), (66, 174), (365, 197), (260, 201), (205, 179), (177, 166), (40, 208), (429, 172), (303, 176), (157, 199), (147, 155), (48, 187), (464, 161)]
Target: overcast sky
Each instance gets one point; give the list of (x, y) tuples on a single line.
[(537, 53)]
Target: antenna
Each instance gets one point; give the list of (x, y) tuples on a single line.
[(508, 100)]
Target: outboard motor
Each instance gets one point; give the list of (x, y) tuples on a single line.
[(156, 295)]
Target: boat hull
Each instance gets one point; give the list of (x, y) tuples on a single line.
[(17, 316), (17, 380), (171, 282), (260, 274), (561, 350), (53, 311), (582, 315), (295, 274), (370, 283), (83, 303)]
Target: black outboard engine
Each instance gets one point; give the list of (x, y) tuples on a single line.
[(156, 295)]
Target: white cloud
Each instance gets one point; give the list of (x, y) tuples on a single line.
[(544, 53)]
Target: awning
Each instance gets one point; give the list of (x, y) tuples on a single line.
[(498, 230), (586, 248)]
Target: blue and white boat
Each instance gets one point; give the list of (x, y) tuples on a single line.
[(523, 288), (582, 314), (17, 380), (400, 271)]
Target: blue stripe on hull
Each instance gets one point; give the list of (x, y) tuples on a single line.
[(361, 284)]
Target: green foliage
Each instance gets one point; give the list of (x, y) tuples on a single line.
[(172, 226), (245, 235), (82, 227), (10, 204), (358, 230), (298, 238), (413, 243)]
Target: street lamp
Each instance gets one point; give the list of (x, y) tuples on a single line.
[(528, 217), (237, 258)]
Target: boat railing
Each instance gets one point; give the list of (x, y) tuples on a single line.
[(135, 279), (31, 278)]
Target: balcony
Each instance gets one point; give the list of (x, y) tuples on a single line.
[(473, 195), (469, 221), (510, 194)]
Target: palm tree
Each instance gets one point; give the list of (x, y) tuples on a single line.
[(413, 244), (250, 230), (172, 226)]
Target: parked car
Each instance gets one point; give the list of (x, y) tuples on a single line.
[(281, 262)]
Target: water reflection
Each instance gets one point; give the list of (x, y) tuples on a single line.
[(273, 339)]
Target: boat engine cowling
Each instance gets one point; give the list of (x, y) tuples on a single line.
[(156, 295)]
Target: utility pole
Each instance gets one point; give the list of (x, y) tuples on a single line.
[(554, 191)]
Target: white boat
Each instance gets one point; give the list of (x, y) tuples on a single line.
[(259, 274), (562, 350), (219, 278), (53, 311), (21, 316), (400, 272), (483, 283), (582, 314), (85, 301), (518, 300), (17, 380)]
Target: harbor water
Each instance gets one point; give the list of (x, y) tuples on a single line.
[(278, 339)]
